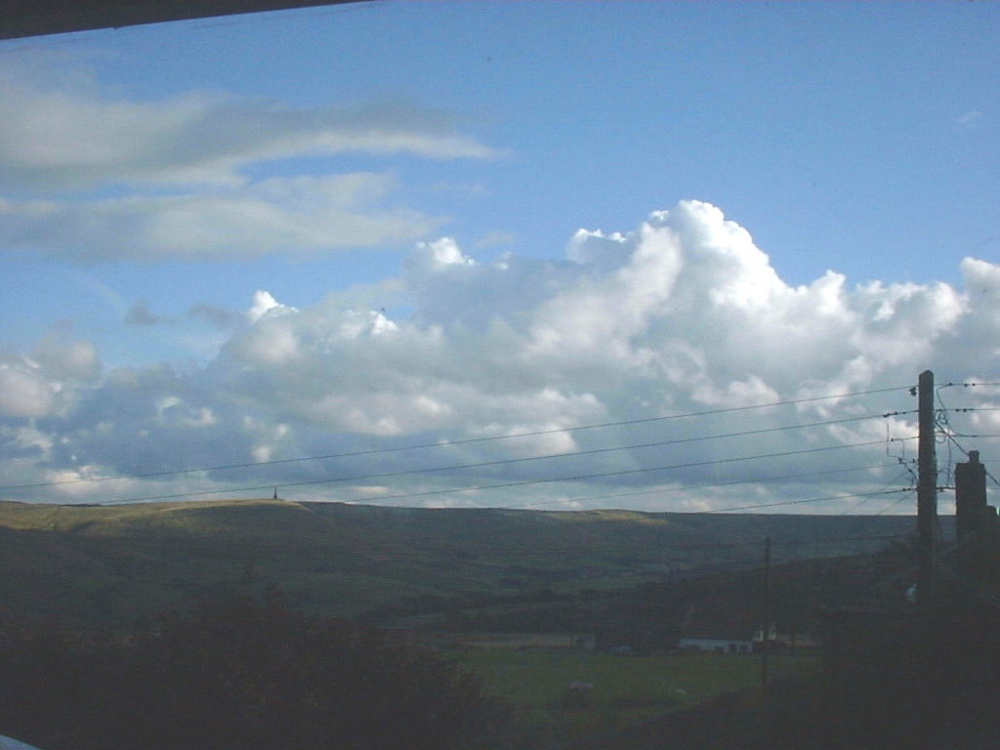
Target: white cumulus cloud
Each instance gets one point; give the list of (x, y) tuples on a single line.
[(629, 371)]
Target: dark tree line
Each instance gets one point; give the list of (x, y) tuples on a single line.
[(240, 673), (927, 681)]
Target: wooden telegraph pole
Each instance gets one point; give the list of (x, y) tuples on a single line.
[(765, 627), (926, 490)]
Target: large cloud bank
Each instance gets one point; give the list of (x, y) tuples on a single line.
[(559, 383)]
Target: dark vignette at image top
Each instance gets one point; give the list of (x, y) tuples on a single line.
[(26, 18)]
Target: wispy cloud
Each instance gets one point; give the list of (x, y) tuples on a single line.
[(302, 215), (88, 176), (54, 137), (970, 119)]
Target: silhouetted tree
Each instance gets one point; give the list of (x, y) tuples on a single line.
[(923, 681), (242, 673)]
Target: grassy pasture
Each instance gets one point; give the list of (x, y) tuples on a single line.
[(627, 690)]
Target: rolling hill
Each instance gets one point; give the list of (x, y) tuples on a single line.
[(109, 565)]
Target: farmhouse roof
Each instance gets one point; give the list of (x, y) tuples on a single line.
[(718, 634)]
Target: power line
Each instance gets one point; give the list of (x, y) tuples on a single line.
[(713, 485), (805, 502), (967, 385), (898, 502), (951, 435), (895, 480), (507, 485), (537, 433)]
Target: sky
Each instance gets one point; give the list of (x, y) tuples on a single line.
[(663, 256)]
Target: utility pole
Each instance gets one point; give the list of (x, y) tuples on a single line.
[(765, 626), (926, 490)]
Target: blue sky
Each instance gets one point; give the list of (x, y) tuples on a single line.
[(778, 200)]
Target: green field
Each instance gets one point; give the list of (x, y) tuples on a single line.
[(622, 578), (626, 690)]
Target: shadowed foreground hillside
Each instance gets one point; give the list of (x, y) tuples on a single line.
[(112, 564)]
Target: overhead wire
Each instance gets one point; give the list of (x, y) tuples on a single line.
[(968, 385), (505, 485), (409, 496), (898, 502), (905, 471), (951, 435), (492, 438), (712, 485), (803, 502)]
